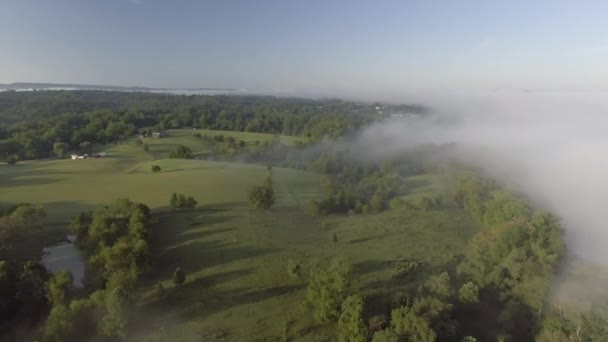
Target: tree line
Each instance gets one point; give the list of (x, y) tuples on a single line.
[(42, 123)]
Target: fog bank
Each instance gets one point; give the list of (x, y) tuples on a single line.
[(551, 146)]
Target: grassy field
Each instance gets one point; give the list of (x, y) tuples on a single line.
[(237, 286), (160, 148)]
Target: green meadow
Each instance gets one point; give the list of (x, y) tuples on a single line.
[(235, 258)]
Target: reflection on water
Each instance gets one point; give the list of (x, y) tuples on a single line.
[(65, 257)]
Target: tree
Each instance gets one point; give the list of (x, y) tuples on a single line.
[(327, 289), (262, 197), (156, 168), (59, 324), (179, 276), (31, 289), (439, 285), (114, 323), (350, 323), (469, 293), (58, 287), (60, 148), (411, 327), (178, 201), (386, 335)]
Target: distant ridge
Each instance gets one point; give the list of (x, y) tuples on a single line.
[(59, 86)]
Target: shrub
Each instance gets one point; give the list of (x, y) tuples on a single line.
[(11, 160), (403, 268), (293, 268), (156, 168), (179, 276), (386, 335)]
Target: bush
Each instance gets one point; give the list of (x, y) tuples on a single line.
[(179, 276), (403, 268), (156, 168), (11, 160), (293, 269)]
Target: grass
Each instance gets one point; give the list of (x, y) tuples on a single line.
[(237, 286), (160, 148)]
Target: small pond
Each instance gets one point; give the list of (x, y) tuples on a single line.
[(65, 256)]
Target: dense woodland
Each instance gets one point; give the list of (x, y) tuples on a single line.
[(43, 123), (496, 291)]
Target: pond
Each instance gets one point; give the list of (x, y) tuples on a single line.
[(65, 257)]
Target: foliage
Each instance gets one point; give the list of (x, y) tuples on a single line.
[(386, 335), (440, 286), (328, 288), (179, 276), (59, 287), (156, 168), (116, 237), (350, 323), (409, 326), (59, 324)]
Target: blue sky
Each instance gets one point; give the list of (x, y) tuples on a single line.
[(338, 47)]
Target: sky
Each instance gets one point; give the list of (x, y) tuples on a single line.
[(333, 47)]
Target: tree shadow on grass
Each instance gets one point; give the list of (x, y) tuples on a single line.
[(192, 257), (369, 266), (213, 301)]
